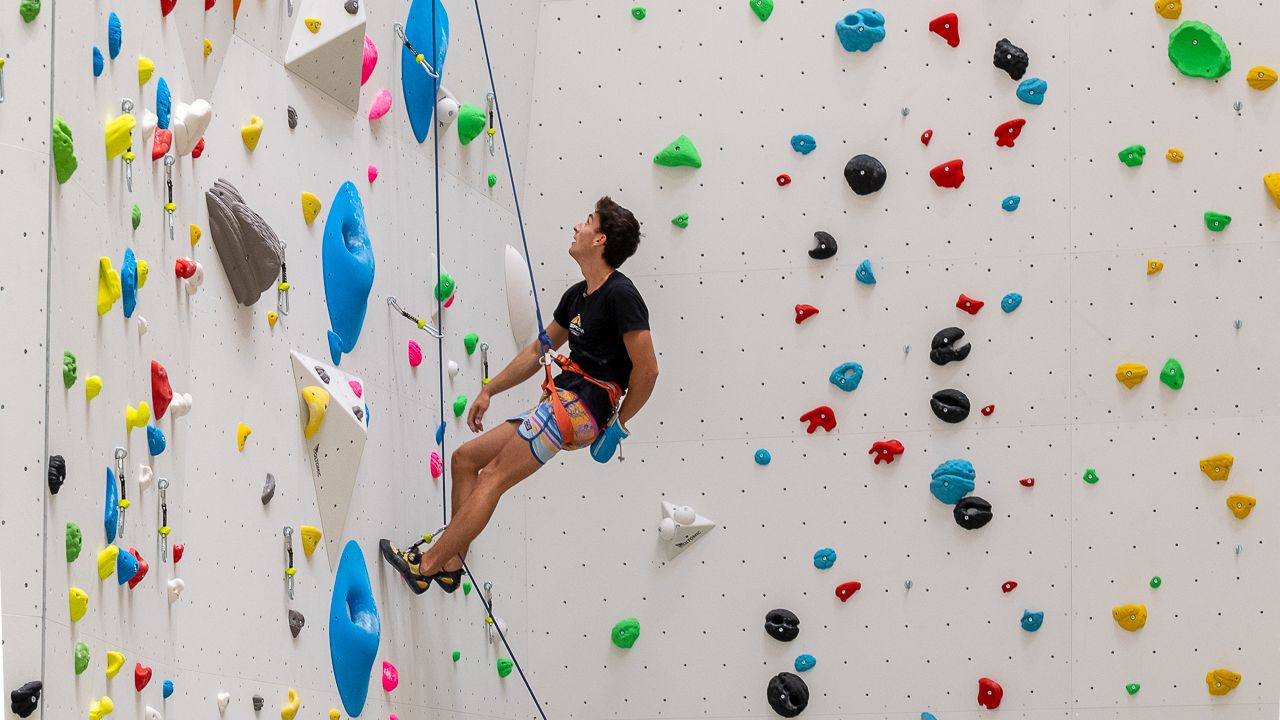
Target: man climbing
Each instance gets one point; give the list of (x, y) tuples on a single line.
[(606, 323)]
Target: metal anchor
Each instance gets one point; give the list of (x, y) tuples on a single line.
[(417, 56), (126, 105), (290, 570), (484, 363), (123, 504), (490, 100), (290, 8), (282, 289), (163, 529), (422, 324), (169, 207)]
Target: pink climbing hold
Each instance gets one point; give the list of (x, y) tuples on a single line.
[(390, 677), (356, 388), (449, 302), (415, 354), (437, 465), (370, 59), (373, 173), (381, 104)]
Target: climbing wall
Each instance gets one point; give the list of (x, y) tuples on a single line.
[(228, 630), (931, 618)]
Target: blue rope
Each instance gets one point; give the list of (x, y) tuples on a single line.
[(435, 152)]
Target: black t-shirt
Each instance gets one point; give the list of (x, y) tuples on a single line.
[(596, 324)]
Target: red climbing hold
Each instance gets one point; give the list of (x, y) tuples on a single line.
[(208, 5), (141, 676), (1008, 132), (1008, 586), (1027, 482), (949, 174), (184, 267), (166, 7), (160, 143), (988, 410), (199, 149), (161, 392), (969, 305), (784, 179), (846, 590), (926, 136), (804, 312), (143, 567), (820, 417), (177, 552), (885, 450), (948, 26), (989, 693)]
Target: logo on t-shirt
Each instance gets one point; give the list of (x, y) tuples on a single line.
[(575, 325)]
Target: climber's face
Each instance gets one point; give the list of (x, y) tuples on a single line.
[(587, 238)]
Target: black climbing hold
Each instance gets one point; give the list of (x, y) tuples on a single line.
[(323, 375), (972, 512), (352, 6), (949, 345), (1011, 59), (296, 621), (57, 473), (788, 695), (864, 174), (950, 405), (359, 412), (24, 700), (826, 246), (257, 702), (782, 625), (293, 118)]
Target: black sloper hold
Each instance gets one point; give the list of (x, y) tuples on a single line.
[(57, 473), (949, 346), (864, 174), (788, 695), (826, 246), (782, 625), (1011, 59), (972, 512), (24, 700), (950, 405)]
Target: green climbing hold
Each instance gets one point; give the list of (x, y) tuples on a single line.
[(680, 152), (470, 341), (137, 216), (1171, 374), (762, 8), (64, 152), (445, 287), (1132, 688), (1132, 155), (82, 657), (504, 667), (459, 405), (466, 587), (68, 369), (74, 540), (493, 179), (625, 633), (638, 13), (1156, 582), (681, 220), (471, 121), (1216, 221), (456, 655), (1091, 476), (29, 9), (1198, 50)]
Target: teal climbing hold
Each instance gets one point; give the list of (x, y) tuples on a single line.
[(347, 255), (864, 273), (763, 457), (846, 376), (1032, 90), (167, 689), (427, 29), (1011, 203), (1011, 302), (861, 30), (803, 144), (126, 567), (129, 281), (680, 152), (115, 34), (98, 62), (805, 662), (164, 104), (952, 480), (1031, 621), (354, 629), (824, 559)]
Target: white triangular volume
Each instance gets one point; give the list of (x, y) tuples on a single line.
[(681, 527), (520, 304), (331, 58), (335, 448)]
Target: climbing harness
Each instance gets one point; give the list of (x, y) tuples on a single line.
[(417, 56), (422, 324), (289, 570), (126, 106), (557, 405), (162, 485), (123, 504), (169, 207)]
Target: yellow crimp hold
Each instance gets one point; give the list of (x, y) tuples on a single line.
[(1175, 155), (107, 561), (1154, 266), (79, 603), (195, 234), (290, 708), (242, 434), (1261, 77), (1130, 617), (313, 24), (1241, 505), (117, 134), (1170, 9), (146, 66), (136, 417), (170, 207), (1272, 182), (1131, 374), (1217, 467), (1221, 681), (317, 400), (251, 132), (144, 270), (272, 317), (115, 661), (123, 504), (109, 289), (92, 386), (310, 207), (208, 47), (310, 539), (101, 708)]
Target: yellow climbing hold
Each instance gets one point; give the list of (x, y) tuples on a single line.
[(92, 386), (109, 289), (1175, 155), (317, 400), (242, 434), (79, 603), (117, 134), (1170, 9), (334, 714), (1154, 266), (1130, 617), (272, 317), (1272, 182), (208, 47), (195, 234), (101, 708), (310, 207), (313, 24), (143, 271), (115, 661), (1221, 681), (1217, 467), (1261, 77), (1241, 505), (251, 132), (107, 561), (146, 66), (1131, 374), (290, 708), (310, 539), (136, 417)]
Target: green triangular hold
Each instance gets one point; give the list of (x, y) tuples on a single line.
[(681, 152), (1132, 688), (504, 667), (762, 8), (1091, 476), (136, 216), (466, 587), (456, 655), (1216, 221), (681, 220), (470, 121)]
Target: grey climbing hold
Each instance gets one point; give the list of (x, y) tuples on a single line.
[(269, 489), (324, 374), (250, 251), (352, 6), (57, 473), (864, 174), (257, 703), (293, 118), (296, 621)]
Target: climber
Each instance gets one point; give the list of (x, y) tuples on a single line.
[(606, 323)]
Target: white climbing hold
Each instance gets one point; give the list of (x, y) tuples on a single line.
[(143, 326), (681, 526), (152, 714), (224, 699), (180, 405), (453, 369), (196, 280), (176, 586), (144, 472)]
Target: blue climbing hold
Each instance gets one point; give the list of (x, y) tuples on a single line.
[(1032, 90), (354, 629), (440, 434), (824, 559), (1010, 302), (1011, 203), (115, 33), (865, 274), (348, 269), (803, 144), (97, 62), (420, 89), (155, 440), (1031, 621), (847, 376), (126, 567), (168, 689), (952, 480), (129, 281), (805, 662), (111, 507), (164, 101), (861, 30), (763, 457), (927, 716)]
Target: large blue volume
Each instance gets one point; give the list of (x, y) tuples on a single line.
[(348, 270), (354, 629), (420, 89)]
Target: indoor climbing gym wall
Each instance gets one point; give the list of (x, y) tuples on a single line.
[(967, 401)]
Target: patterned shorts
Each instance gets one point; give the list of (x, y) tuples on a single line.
[(538, 426)]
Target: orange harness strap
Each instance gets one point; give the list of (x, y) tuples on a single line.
[(557, 405)]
